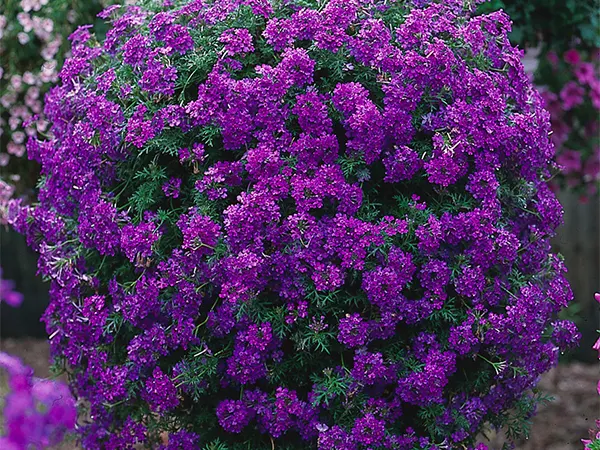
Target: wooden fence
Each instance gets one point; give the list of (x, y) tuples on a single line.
[(578, 240)]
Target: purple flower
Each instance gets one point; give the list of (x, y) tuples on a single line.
[(237, 40), (369, 368), (401, 164), (234, 415), (565, 334), (140, 131), (353, 331), (171, 188), (200, 233), (585, 73), (572, 57), (570, 160), (368, 430), (7, 292), (572, 95), (137, 240), (595, 93), (158, 78), (160, 392)]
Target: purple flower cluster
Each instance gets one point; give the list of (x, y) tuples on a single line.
[(299, 226), (37, 413)]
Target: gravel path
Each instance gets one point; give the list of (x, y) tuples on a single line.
[(558, 426)]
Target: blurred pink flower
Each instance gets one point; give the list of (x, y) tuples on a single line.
[(591, 171), (23, 38), (13, 122), (560, 132), (28, 78), (25, 21), (33, 5), (585, 73), (553, 58), (572, 57), (18, 137), (569, 160), (595, 93), (552, 104), (15, 149), (16, 82), (571, 95), (6, 192), (33, 92)]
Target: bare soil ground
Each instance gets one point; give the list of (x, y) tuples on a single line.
[(559, 425)]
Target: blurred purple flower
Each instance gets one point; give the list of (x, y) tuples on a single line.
[(571, 95), (7, 292), (572, 56), (595, 93), (570, 160), (585, 73), (37, 413)]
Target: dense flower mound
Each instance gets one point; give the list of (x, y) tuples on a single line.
[(299, 225)]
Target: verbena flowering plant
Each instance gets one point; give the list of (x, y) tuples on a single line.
[(570, 86), (299, 224)]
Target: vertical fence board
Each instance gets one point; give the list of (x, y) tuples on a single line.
[(578, 240)]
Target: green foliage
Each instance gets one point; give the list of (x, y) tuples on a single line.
[(557, 23), (517, 421)]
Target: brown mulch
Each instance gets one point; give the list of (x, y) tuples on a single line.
[(559, 425), (562, 423)]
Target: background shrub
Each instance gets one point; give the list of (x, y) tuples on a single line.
[(555, 24), (33, 47)]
